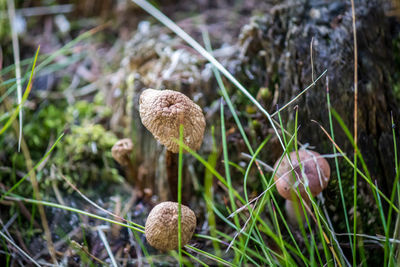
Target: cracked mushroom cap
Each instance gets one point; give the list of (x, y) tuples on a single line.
[(162, 112), (121, 151), (316, 169), (161, 227)]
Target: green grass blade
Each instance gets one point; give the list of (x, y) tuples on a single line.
[(208, 193), (180, 163), (34, 168), (24, 98), (337, 165), (365, 177), (210, 256), (63, 207), (225, 94), (392, 196)]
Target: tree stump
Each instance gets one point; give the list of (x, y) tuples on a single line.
[(277, 54)]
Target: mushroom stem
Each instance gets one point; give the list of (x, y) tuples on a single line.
[(294, 211), (121, 152), (171, 161), (132, 177)]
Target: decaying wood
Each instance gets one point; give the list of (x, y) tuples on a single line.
[(273, 52)]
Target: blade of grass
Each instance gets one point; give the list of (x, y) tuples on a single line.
[(94, 204), (19, 249), (353, 13), (227, 172), (395, 189), (24, 98), (368, 180), (337, 163), (194, 258), (34, 168), (107, 247), (210, 168), (250, 164), (281, 244), (209, 255), (14, 197), (300, 94), (143, 248), (180, 163), (225, 95), (208, 192), (228, 223), (15, 45)]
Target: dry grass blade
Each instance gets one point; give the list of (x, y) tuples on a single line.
[(106, 245), (19, 249), (95, 205), (355, 76), (15, 44), (355, 126)]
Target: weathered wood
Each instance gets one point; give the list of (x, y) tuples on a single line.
[(284, 36)]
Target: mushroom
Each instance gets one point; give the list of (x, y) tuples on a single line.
[(161, 229), (162, 112), (316, 174), (121, 152)]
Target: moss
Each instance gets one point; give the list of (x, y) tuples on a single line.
[(367, 210), (83, 155)]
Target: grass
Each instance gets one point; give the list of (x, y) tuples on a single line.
[(248, 230)]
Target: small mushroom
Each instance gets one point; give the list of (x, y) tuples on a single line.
[(121, 152), (316, 174), (161, 227), (162, 112)]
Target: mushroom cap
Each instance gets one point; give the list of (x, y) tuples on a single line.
[(162, 112), (161, 227), (316, 170), (121, 151)]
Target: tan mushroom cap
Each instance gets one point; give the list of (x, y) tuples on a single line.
[(161, 227), (121, 151), (162, 112), (316, 169)]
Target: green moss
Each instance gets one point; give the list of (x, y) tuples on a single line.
[(83, 155), (367, 210)]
